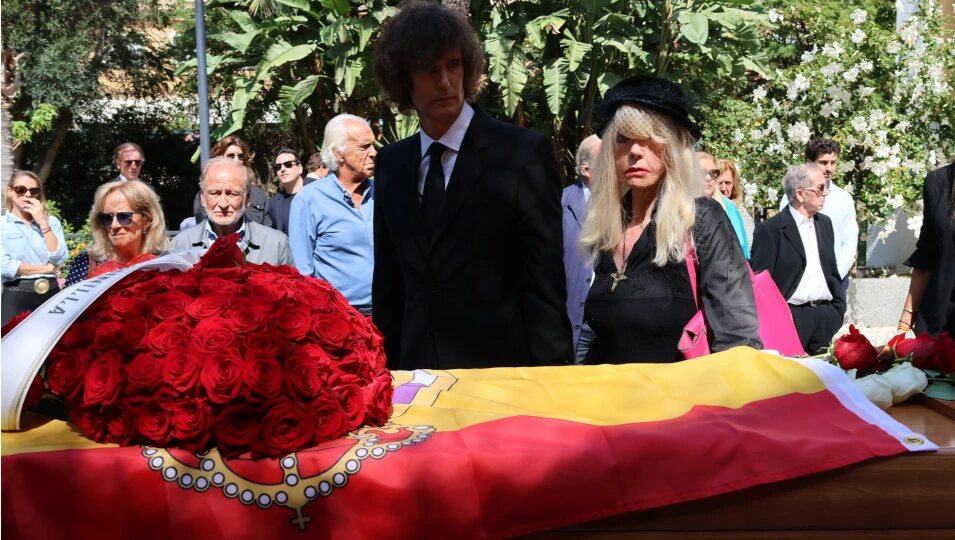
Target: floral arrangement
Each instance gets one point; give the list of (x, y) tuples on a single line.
[(248, 358), (906, 366)]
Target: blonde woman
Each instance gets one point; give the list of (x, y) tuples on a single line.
[(731, 187), (128, 227), (33, 246), (638, 227)]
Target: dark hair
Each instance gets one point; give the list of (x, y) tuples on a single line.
[(415, 39), (821, 146), (288, 151), (126, 146), (315, 162), (219, 148)]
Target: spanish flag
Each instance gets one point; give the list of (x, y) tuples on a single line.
[(470, 454)]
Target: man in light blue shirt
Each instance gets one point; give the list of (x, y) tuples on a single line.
[(331, 220)]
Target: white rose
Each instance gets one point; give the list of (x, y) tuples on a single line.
[(858, 16), (858, 36), (846, 166), (877, 389), (859, 123), (851, 75), (905, 380)]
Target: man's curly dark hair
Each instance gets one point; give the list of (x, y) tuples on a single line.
[(821, 146), (414, 39)]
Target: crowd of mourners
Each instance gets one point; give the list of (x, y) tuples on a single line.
[(459, 244)]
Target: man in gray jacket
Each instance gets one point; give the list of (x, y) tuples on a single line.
[(225, 186)]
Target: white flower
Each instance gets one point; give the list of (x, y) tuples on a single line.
[(859, 123), (858, 36), (877, 389), (851, 75), (837, 92), (865, 66), (887, 229), (858, 16), (808, 56), (897, 201), (894, 47), (880, 169), (828, 109), (799, 132), (738, 136), (849, 189), (797, 86), (833, 51), (867, 163), (905, 380), (882, 151), (846, 166), (866, 91), (914, 223), (773, 126), (772, 193), (756, 134), (759, 94), (775, 16), (909, 33), (876, 117), (829, 70)]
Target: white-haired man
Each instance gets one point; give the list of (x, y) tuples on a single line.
[(331, 220), (225, 186)]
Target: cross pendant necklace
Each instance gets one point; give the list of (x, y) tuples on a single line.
[(620, 274)]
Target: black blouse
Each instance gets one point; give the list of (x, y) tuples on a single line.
[(642, 319)]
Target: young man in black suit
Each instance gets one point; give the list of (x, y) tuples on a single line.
[(468, 255), (797, 247)]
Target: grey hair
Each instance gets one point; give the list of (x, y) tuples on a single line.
[(585, 154), (797, 177), (336, 135), (222, 160)]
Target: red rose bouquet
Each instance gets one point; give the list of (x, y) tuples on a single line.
[(245, 357)]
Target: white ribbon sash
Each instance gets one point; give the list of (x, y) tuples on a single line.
[(26, 347)]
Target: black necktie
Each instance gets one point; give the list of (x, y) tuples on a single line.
[(432, 200)]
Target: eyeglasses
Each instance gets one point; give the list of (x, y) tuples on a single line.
[(240, 156), (713, 174), (288, 165), (21, 190), (131, 162), (821, 189), (124, 218)]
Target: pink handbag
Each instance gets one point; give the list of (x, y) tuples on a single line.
[(776, 328)]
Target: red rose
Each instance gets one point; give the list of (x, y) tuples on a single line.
[(353, 403), (377, 397), (221, 376), (90, 421), (286, 428), (263, 285), (181, 370), (192, 423), (853, 351), (144, 373), (14, 322), (232, 274), (264, 344), (919, 348), (206, 307), (153, 423), (78, 334), (187, 282), (119, 424), (251, 315), (123, 306), (945, 353), (34, 394), (166, 335), (169, 304), (328, 418), (147, 284), (222, 253), (292, 322), (65, 372), (306, 375), (318, 294), (103, 381), (236, 429), (134, 330), (263, 379), (212, 335), (331, 330), (218, 286), (107, 334)]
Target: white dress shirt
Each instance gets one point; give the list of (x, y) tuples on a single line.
[(812, 286), (841, 209), (452, 140)]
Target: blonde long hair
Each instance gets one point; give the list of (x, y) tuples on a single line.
[(678, 188), (8, 201), (141, 198)]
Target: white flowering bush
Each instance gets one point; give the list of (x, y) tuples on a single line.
[(884, 95)]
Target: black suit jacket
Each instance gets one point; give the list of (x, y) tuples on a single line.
[(778, 248), (935, 252), (488, 288)]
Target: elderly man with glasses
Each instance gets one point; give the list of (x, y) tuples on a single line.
[(225, 187), (330, 227), (797, 246), (129, 159), (288, 169)]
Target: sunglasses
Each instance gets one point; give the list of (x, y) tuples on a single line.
[(713, 173), (131, 162), (240, 156), (821, 189), (124, 218), (287, 165), (21, 190)]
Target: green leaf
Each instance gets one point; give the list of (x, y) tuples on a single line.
[(340, 7), (242, 18), (282, 53), (574, 51), (694, 26), (751, 65), (239, 42), (555, 85), (606, 81), (297, 4), (725, 65), (941, 390), (301, 91), (185, 66), (515, 81), (352, 75), (498, 51)]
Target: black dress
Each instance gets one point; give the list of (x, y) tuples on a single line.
[(641, 321)]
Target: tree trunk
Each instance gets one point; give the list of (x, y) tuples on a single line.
[(64, 122)]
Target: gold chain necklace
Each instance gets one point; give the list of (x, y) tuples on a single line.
[(620, 274)]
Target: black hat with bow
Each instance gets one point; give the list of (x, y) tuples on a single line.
[(654, 93)]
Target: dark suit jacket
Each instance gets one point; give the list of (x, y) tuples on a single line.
[(778, 248), (488, 288), (577, 264), (935, 251)]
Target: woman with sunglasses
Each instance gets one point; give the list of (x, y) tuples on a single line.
[(128, 227), (731, 187), (33, 246), (708, 163), (235, 148)]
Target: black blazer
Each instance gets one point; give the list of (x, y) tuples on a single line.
[(778, 248), (935, 251), (488, 288)]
